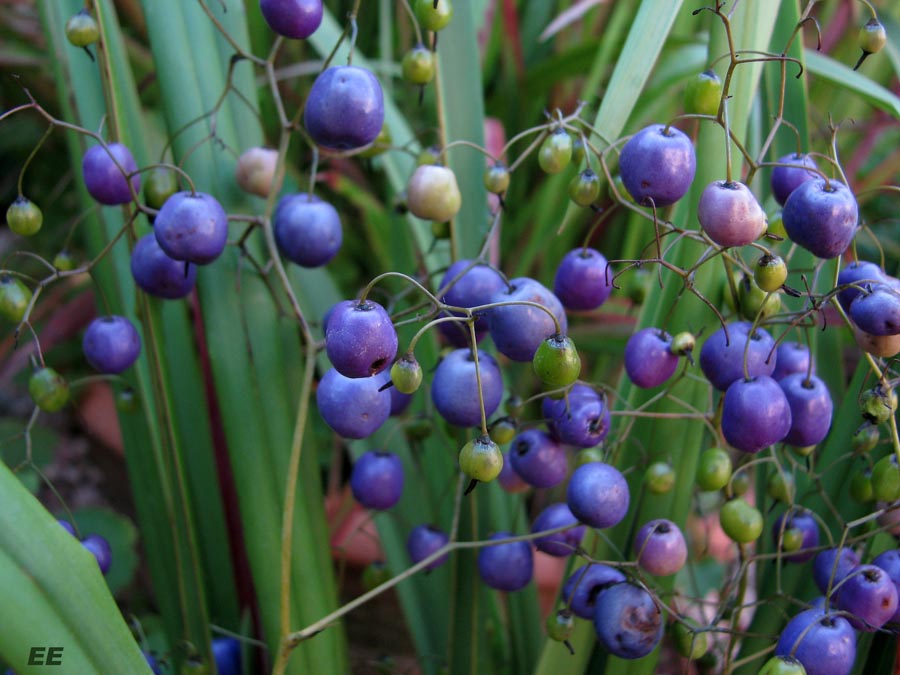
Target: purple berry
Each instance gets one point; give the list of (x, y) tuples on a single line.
[(786, 179), (660, 547), (722, 356), (755, 414), (111, 344), (101, 550), (104, 180), (582, 281), (583, 421), (628, 621), (889, 561), (538, 459), (159, 275), (68, 527), (730, 215), (296, 19), (811, 409), (648, 359), (377, 479), (809, 529), (822, 217), (227, 655), (792, 357), (598, 495), (192, 227), (840, 562), (563, 543), (657, 165), (475, 284), (454, 387), (425, 540), (506, 567), (824, 643), (858, 272), (869, 594), (876, 310), (360, 338), (584, 585), (352, 406), (518, 330), (307, 230), (509, 480), (345, 108)]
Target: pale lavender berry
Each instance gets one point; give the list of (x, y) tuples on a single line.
[(660, 547), (649, 361), (538, 459)]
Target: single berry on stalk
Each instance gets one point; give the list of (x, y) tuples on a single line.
[(24, 217), (296, 19), (506, 567), (105, 180), (454, 387), (192, 227), (307, 230), (657, 165), (345, 108), (377, 479), (111, 344), (159, 275), (360, 338)]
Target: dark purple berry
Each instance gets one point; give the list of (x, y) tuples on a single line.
[(584, 585), (360, 338), (377, 479), (104, 180), (657, 165), (307, 230), (159, 275), (297, 19), (649, 360), (538, 459), (722, 356), (582, 280), (352, 406), (227, 655), (838, 562), (755, 414), (454, 387), (858, 272), (345, 108), (628, 621), (583, 420), (876, 310), (192, 227), (475, 284), (824, 643), (111, 344), (869, 594), (423, 541), (786, 179), (506, 567), (563, 543), (518, 330)]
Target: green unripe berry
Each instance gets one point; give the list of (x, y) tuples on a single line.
[(713, 469), (24, 217), (14, 298), (160, 184), (690, 643), (556, 361), (683, 344), (82, 29), (418, 65), (127, 400), (791, 540), (578, 150), (637, 285), (782, 665), (375, 574), (865, 438), (753, 300), (434, 15), (380, 145), (513, 405), (432, 193), (886, 479), (584, 188), (804, 451), (589, 455), (872, 37), (503, 430), (406, 374), (555, 152), (861, 487), (781, 486), (740, 521), (496, 178), (703, 94), (559, 625), (480, 459), (776, 226), (660, 478), (770, 272), (48, 389), (63, 261), (878, 405), (740, 483), (440, 230)]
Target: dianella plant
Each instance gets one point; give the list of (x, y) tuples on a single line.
[(470, 336)]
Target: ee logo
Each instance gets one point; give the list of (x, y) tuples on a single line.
[(45, 656)]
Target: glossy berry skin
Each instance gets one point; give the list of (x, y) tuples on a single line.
[(889, 561), (658, 166), (730, 214), (557, 362), (100, 549), (82, 29), (431, 17), (296, 19), (475, 284), (824, 563), (307, 230), (555, 152), (352, 407), (561, 544), (424, 540), (227, 655), (454, 387), (538, 459), (67, 526), (345, 108), (660, 547), (628, 621), (740, 521), (792, 357), (824, 643), (159, 275), (714, 469), (432, 193), (418, 65), (857, 272), (876, 310), (722, 357), (821, 217), (584, 585), (808, 527), (14, 298), (506, 567), (480, 459), (786, 179), (869, 594), (377, 480), (24, 217), (192, 227), (756, 413), (111, 344), (360, 338), (518, 330), (648, 359), (703, 93), (104, 180), (598, 495), (582, 281), (811, 409), (583, 422)]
